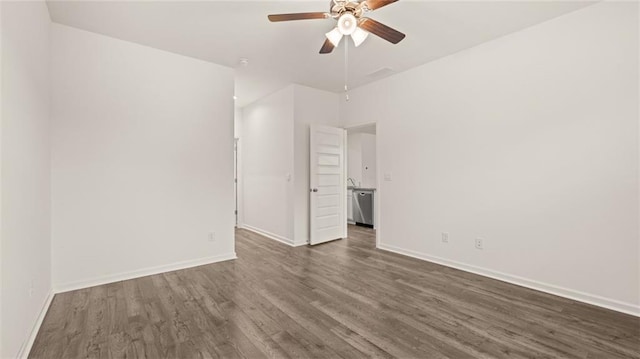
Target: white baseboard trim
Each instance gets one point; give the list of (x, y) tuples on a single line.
[(26, 348), (599, 301), (66, 287), (273, 236)]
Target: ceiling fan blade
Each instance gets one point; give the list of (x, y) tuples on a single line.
[(382, 30), (376, 4), (327, 47), (298, 16)]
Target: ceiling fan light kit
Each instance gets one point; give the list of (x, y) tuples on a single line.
[(359, 36), (334, 36), (347, 23)]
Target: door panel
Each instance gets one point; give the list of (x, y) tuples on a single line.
[(328, 160), (328, 184), (329, 180), (328, 200)]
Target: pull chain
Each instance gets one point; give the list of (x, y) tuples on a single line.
[(346, 68)]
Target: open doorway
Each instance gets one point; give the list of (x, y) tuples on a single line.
[(362, 180)]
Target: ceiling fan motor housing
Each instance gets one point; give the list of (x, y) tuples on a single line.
[(338, 8)]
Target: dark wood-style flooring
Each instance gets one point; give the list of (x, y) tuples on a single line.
[(343, 299)]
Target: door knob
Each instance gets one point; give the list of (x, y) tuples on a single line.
[(314, 190)]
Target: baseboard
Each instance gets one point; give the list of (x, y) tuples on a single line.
[(26, 348), (273, 236), (603, 302), (66, 287)]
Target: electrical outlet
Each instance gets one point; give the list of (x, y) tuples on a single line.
[(479, 244), (212, 236), (445, 237)]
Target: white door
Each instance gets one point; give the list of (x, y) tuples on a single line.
[(328, 184)]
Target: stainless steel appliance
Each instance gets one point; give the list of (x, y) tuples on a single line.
[(363, 207)]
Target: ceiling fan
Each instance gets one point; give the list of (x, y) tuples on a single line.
[(351, 22)]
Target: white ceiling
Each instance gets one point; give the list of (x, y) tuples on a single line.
[(283, 53)]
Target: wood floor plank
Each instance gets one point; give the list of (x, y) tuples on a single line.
[(343, 299)]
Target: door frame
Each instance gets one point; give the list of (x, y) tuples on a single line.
[(377, 209), (345, 175), (236, 179)]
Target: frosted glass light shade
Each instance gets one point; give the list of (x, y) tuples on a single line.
[(347, 24), (334, 36), (359, 36)]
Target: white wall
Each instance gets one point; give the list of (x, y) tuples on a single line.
[(142, 161), (362, 159), (530, 142), (25, 205), (368, 160), (354, 158), (267, 165), (312, 107)]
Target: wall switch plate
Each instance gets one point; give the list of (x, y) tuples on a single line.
[(387, 177), (212, 236), (445, 237), (479, 243)]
